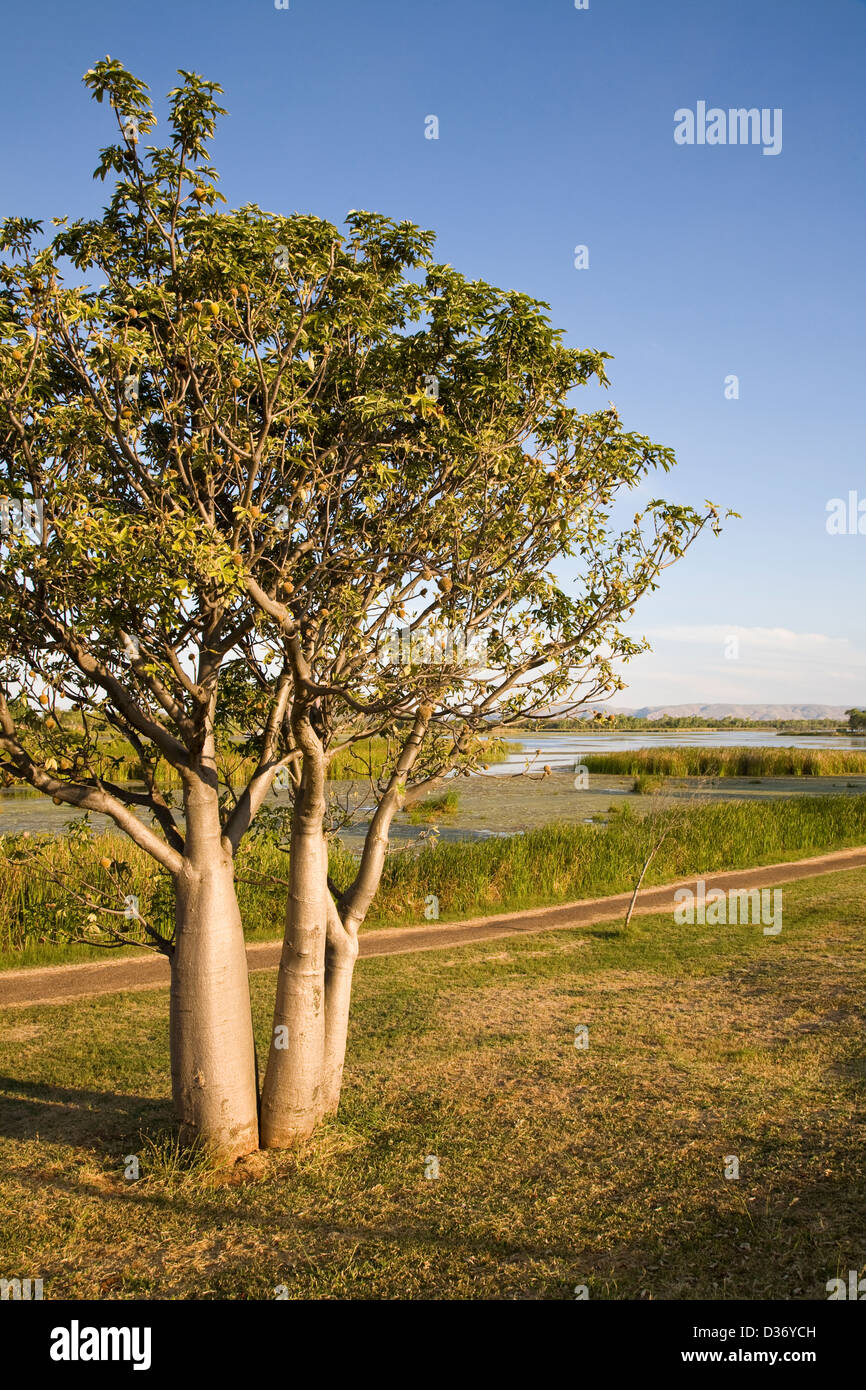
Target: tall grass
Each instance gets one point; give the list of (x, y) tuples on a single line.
[(553, 864), (730, 762), (443, 807), (558, 863), (37, 910)]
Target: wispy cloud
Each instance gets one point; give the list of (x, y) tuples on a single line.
[(746, 665)]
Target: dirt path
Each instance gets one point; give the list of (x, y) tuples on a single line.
[(59, 984)]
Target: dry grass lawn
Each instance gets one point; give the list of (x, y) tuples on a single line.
[(558, 1166)]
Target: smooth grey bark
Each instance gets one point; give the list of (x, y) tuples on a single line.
[(341, 952), (304, 1073), (292, 1090), (291, 1094), (212, 1051)]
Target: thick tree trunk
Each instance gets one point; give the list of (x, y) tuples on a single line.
[(308, 1042), (292, 1090), (340, 956), (212, 1052)]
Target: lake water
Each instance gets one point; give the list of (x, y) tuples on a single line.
[(561, 750), (27, 810)]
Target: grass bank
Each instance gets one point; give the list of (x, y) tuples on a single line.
[(553, 864), (558, 1167)]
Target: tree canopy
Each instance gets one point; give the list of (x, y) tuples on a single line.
[(260, 444)]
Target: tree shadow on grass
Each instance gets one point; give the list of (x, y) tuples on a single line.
[(61, 1114), (786, 1247), (322, 1249)]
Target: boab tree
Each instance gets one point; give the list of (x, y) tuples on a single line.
[(306, 479)]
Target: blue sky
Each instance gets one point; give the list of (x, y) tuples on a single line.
[(555, 130)]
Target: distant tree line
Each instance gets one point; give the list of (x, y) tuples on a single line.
[(603, 723)]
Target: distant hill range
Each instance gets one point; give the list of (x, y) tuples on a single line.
[(755, 712)]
